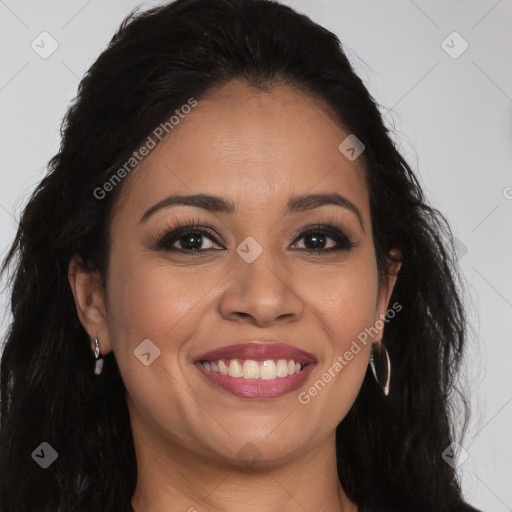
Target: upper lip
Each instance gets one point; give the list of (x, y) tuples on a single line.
[(259, 352)]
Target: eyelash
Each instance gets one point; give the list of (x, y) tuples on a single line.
[(168, 237)]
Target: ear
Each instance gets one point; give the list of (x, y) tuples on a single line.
[(89, 294), (387, 284)]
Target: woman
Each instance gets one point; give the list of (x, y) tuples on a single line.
[(229, 290)]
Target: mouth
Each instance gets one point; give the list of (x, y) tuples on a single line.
[(268, 369), (254, 370)]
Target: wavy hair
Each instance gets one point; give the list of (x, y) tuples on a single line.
[(389, 449)]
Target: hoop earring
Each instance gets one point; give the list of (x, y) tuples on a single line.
[(98, 365), (381, 365)]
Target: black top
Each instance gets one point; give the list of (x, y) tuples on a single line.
[(464, 507)]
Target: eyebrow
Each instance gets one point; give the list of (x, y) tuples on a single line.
[(218, 204)]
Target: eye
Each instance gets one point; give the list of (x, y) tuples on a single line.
[(195, 239), (321, 239), (189, 239)]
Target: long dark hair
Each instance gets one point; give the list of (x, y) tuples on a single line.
[(389, 449)]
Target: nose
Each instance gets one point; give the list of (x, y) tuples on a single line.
[(261, 293)]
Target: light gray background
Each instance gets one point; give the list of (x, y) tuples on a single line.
[(452, 121)]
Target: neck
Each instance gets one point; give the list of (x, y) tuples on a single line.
[(171, 477)]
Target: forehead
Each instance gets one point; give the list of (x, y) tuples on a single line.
[(255, 147)]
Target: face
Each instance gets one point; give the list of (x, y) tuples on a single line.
[(262, 266)]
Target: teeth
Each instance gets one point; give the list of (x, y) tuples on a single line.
[(250, 369), (268, 370), (223, 368), (235, 368), (282, 368)]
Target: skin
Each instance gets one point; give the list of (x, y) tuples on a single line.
[(256, 149)]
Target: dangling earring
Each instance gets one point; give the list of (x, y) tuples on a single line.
[(98, 366), (381, 365)]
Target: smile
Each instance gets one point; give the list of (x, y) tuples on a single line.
[(255, 369), (251, 369)]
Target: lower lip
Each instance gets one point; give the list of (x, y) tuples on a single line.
[(257, 388)]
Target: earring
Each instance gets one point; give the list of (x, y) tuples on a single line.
[(98, 366), (381, 365)]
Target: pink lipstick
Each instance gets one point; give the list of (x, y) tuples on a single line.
[(256, 370)]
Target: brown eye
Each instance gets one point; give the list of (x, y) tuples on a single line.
[(188, 240), (324, 239)]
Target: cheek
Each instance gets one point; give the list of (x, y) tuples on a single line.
[(149, 300), (153, 301), (345, 300), (152, 298), (345, 305)]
